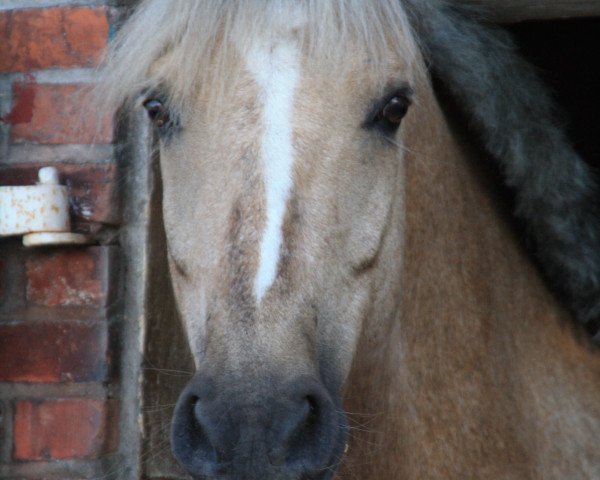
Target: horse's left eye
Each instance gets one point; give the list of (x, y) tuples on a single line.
[(395, 110), (389, 112), (157, 112)]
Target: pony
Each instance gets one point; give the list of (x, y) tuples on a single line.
[(355, 298)]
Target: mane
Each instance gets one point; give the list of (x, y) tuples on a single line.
[(185, 44), (556, 193)]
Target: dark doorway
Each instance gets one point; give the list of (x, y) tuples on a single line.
[(567, 55)]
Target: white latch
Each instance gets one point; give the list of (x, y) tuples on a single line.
[(38, 212)]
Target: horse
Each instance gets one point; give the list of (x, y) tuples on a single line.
[(356, 300)]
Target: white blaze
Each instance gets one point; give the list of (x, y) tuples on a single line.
[(275, 68)]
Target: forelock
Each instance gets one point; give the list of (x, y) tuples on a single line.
[(186, 44)]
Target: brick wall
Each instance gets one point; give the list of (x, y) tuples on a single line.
[(60, 307)]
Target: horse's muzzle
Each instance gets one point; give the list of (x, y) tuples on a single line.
[(259, 430)]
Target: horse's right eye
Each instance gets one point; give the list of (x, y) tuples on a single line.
[(157, 112)]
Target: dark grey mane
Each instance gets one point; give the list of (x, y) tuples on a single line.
[(514, 113)]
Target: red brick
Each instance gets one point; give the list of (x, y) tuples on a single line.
[(70, 277), (93, 189), (53, 352), (24, 97), (56, 114), (41, 38), (64, 429)]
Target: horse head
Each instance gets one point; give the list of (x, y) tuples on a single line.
[(282, 206), (282, 133)]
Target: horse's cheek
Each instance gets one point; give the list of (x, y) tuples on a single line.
[(370, 219)]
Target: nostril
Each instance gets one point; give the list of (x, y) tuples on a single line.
[(309, 423), (304, 421), (313, 413), (192, 440), (203, 441), (310, 432)]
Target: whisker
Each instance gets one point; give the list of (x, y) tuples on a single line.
[(169, 372)]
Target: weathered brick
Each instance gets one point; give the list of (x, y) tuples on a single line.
[(70, 277), (53, 352), (41, 38), (54, 114), (64, 428), (93, 189)]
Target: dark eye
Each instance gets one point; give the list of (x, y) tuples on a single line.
[(393, 111), (157, 112)]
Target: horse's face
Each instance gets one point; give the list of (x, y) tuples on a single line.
[(282, 206)]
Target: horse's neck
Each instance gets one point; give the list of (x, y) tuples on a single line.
[(482, 375)]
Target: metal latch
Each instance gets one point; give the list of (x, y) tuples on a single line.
[(38, 212)]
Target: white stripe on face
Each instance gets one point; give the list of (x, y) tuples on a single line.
[(275, 68)]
